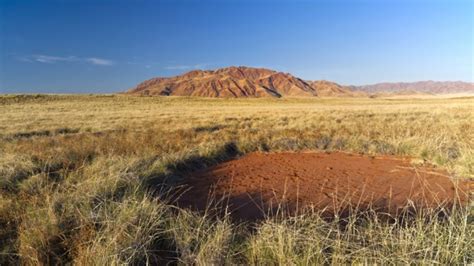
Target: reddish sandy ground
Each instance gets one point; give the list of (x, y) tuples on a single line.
[(335, 182)]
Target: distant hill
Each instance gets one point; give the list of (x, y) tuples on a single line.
[(332, 89), (238, 82), (428, 87)]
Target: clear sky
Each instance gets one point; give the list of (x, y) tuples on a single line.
[(67, 46)]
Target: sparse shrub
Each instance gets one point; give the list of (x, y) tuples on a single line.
[(323, 142), (286, 144), (339, 144), (383, 147), (404, 148), (452, 151)]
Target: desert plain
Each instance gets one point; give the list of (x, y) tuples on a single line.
[(104, 179)]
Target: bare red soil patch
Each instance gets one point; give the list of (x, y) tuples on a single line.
[(258, 182)]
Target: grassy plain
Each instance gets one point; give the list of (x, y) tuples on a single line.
[(79, 177)]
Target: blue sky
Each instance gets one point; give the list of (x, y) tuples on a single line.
[(68, 46)]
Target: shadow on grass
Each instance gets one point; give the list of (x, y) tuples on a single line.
[(176, 172)]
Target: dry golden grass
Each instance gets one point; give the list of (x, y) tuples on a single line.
[(77, 172)]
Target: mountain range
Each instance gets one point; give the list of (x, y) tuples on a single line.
[(429, 87), (243, 81)]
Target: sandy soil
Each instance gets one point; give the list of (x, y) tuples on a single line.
[(334, 182)]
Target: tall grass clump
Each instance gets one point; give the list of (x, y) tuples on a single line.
[(203, 240), (308, 240), (131, 232)]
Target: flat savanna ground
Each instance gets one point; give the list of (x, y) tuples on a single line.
[(79, 176)]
